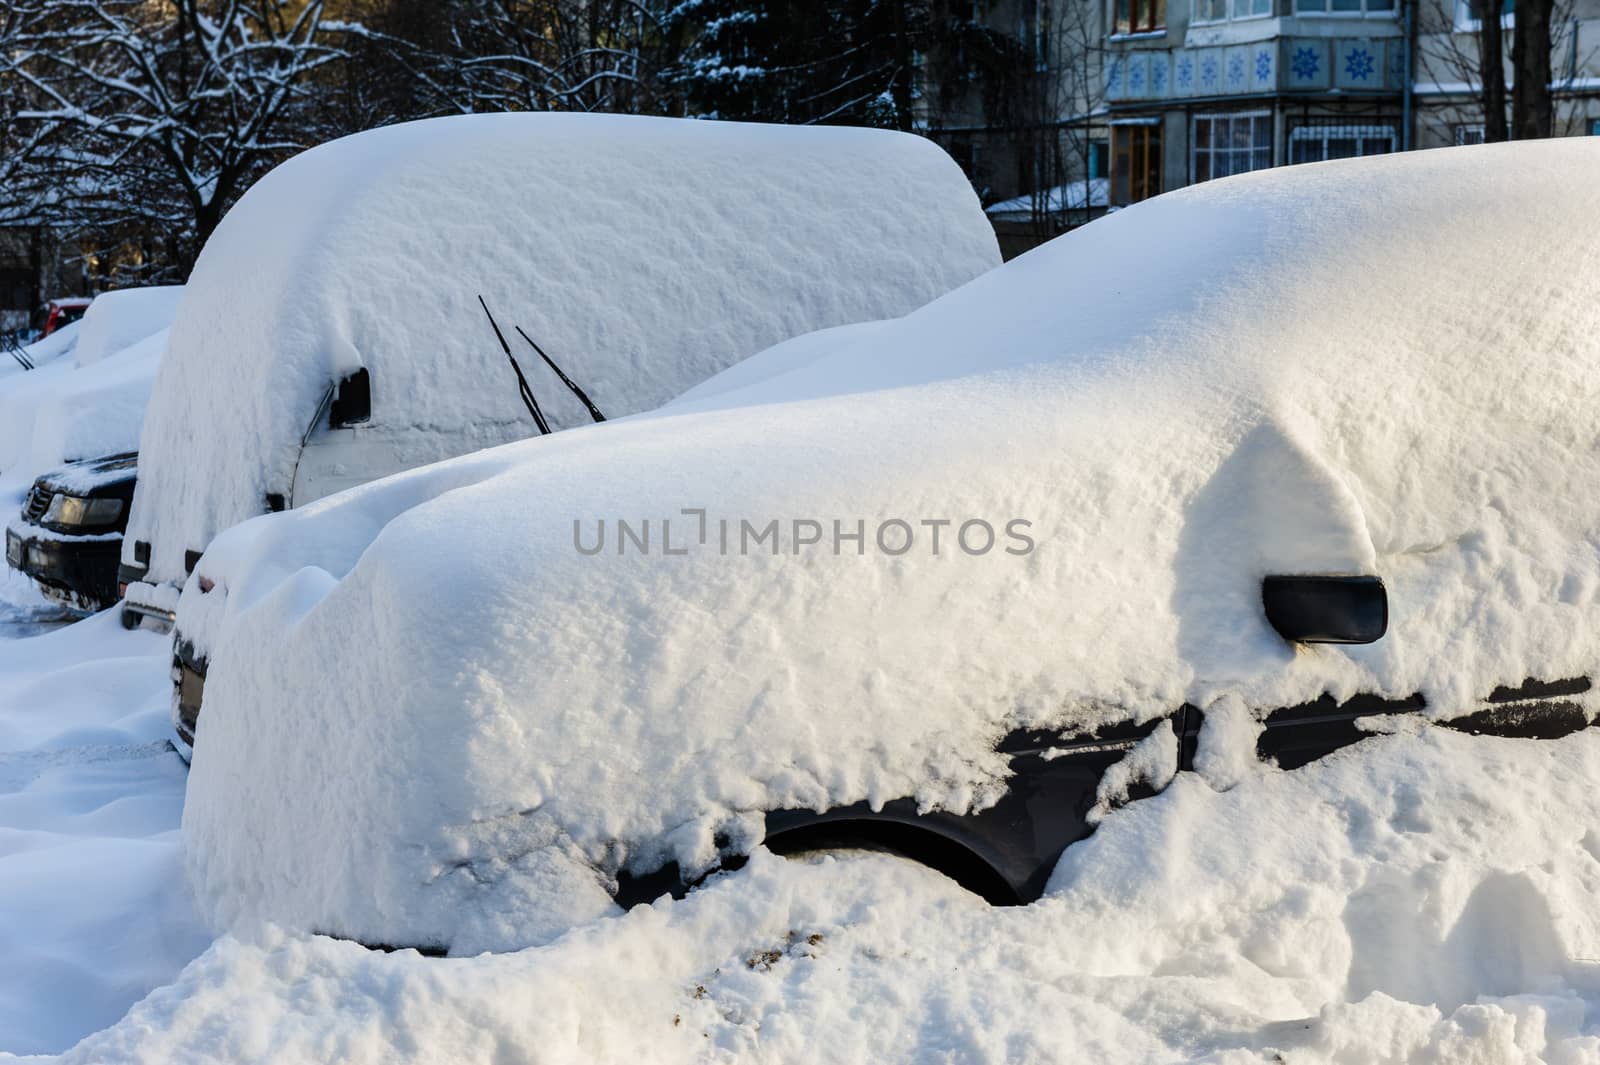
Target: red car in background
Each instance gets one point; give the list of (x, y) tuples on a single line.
[(57, 313)]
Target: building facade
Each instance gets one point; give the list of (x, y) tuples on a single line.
[(1154, 95)]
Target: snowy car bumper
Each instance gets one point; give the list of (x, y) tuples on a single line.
[(82, 566)]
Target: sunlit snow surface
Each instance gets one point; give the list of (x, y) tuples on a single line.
[(1417, 898), (433, 719), (93, 907), (1423, 896)]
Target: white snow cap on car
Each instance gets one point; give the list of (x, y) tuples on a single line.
[(431, 718), (643, 254), (119, 319)]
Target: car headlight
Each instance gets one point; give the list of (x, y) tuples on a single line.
[(75, 510)]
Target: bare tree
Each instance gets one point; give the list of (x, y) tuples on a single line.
[(529, 55), (1475, 56), (1039, 88), (1532, 113), (151, 117)]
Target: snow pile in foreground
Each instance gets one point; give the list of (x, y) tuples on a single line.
[(94, 912), (1420, 898), (643, 254), (431, 718)]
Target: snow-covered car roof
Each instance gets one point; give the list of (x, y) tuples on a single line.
[(118, 319), (643, 254), (431, 716)]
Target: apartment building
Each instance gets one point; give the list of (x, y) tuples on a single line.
[(1154, 95)]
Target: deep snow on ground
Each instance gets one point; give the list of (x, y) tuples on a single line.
[(1418, 898), (1421, 897), (94, 912)]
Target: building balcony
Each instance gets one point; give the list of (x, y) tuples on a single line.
[(1282, 65)]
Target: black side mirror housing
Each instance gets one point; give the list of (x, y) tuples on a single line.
[(352, 402), (1327, 609)]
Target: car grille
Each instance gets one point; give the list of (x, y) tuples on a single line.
[(38, 502)]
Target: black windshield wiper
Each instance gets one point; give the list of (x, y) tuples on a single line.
[(17, 353), (528, 399), (594, 411)]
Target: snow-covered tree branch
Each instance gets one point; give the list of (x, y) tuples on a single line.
[(152, 115)]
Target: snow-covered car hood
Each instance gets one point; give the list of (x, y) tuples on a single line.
[(431, 716), (643, 254)]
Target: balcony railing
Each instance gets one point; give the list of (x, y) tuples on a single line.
[(1280, 65)]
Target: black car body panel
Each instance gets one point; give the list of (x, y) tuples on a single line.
[(75, 563), (1007, 852)]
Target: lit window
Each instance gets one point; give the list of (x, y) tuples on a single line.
[(1231, 144), (1469, 133), (1141, 16), (1312, 144), (1135, 163)]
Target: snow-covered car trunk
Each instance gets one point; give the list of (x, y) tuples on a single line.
[(438, 714), (644, 255)]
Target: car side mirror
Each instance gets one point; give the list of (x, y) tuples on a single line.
[(352, 402), (1327, 609)]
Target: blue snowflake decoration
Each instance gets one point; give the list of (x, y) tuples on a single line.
[(1263, 65), (1358, 64), (1236, 70), (1158, 75), (1114, 77), (1306, 64), (1135, 77), (1185, 73), (1208, 72)]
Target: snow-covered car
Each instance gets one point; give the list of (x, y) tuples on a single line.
[(953, 584), (334, 329), (78, 420)]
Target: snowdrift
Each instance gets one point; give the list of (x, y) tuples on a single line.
[(433, 717), (643, 254), (1420, 899)]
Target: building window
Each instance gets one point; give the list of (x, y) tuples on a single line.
[(1313, 144), (1223, 10), (1469, 133), (1141, 16), (1135, 163), (1231, 144), (1467, 20), (1594, 128), (1099, 159), (1346, 8), (1033, 30)]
